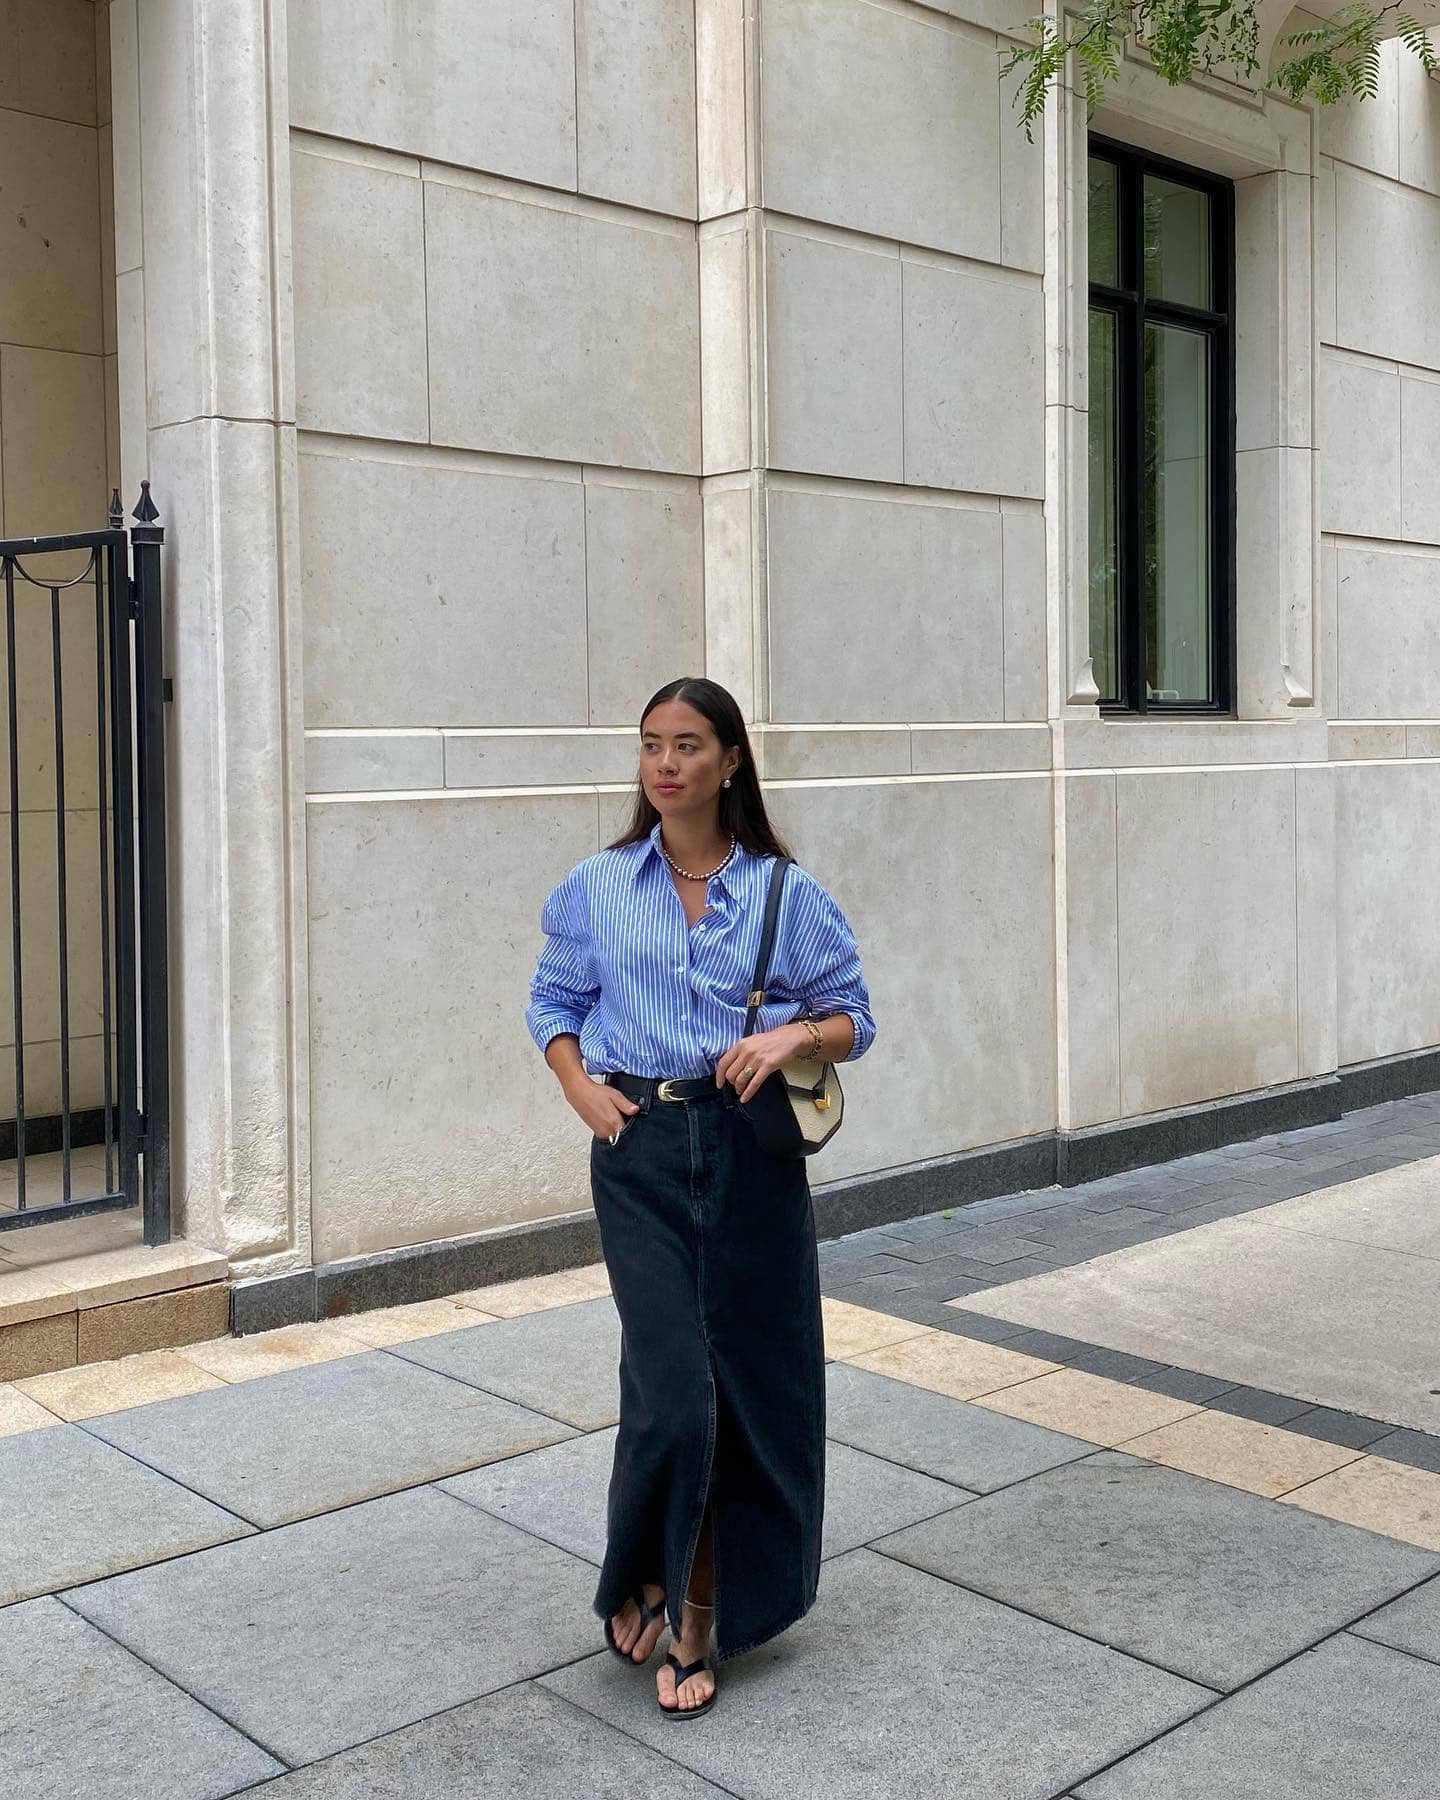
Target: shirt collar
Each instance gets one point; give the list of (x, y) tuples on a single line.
[(728, 878)]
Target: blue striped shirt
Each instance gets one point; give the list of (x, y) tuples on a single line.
[(649, 994)]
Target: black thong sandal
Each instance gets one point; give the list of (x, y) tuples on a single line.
[(682, 1673), (647, 1613)]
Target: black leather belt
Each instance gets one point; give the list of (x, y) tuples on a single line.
[(646, 1088)]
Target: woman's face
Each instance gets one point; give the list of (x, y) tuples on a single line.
[(681, 762)]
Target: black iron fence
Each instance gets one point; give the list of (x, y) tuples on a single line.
[(89, 1127)]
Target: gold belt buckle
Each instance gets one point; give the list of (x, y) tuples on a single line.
[(660, 1093)]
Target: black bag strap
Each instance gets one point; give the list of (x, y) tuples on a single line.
[(767, 939)]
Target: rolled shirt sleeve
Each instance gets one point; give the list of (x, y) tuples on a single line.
[(563, 988), (824, 962)]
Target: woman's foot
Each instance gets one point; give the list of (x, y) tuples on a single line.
[(638, 1644), (693, 1643)]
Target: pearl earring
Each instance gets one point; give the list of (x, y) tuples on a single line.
[(725, 782)]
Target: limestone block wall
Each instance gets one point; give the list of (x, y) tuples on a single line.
[(58, 459), (1379, 413), (893, 463), (497, 355), (1243, 901), (602, 375), (641, 336)]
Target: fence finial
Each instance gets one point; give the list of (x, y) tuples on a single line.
[(117, 510), (145, 508)]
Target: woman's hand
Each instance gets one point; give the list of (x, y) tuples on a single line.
[(763, 1052), (603, 1108)]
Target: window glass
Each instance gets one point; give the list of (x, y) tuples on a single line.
[(1104, 223), (1104, 536), (1175, 514), (1161, 434), (1177, 243)]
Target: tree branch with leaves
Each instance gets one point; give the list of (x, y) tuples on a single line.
[(1336, 60)]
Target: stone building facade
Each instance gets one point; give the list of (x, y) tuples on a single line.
[(494, 362)]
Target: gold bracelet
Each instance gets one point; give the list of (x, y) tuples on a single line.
[(817, 1048)]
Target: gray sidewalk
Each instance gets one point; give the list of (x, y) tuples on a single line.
[(372, 1577)]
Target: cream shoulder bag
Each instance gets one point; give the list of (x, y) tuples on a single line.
[(798, 1109)]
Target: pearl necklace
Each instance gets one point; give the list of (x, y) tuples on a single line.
[(686, 873)]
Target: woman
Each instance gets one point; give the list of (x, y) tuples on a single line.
[(717, 1489)]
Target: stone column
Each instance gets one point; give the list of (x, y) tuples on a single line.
[(203, 227), (732, 354)]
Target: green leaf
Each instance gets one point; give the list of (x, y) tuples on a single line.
[(1333, 61)]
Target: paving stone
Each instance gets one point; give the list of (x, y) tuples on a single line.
[(1364, 1165), (1048, 1344), (1410, 1623), (1000, 1247), (274, 1352), (862, 1490), (1264, 1459), (563, 1361), (851, 1252), (986, 1329), (18, 1412), (932, 1249), (559, 1493), (966, 1699), (1346, 1718), (1340, 1427), (1373, 1492), (956, 1274), (870, 1290), (1024, 1266), (1119, 1365), (315, 1637), (312, 1439), (931, 1227), (1261, 1405), (1094, 1227), (522, 1742), (1185, 1384), (1149, 1196), (852, 1330), (947, 1363), (1268, 1187), (1321, 1318), (1012, 1206), (1421, 1449), (384, 1326), (1089, 1406), (1254, 1158), (90, 1389), (1176, 1204), (1206, 1580), (1161, 1225), (530, 1293), (871, 1263), (969, 1445), (925, 1307), (85, 1720), (75, 1509)]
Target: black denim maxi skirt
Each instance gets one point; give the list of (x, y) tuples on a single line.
[(710, 1246)]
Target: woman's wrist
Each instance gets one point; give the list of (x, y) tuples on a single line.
[(810, 1045), (836, 1034)]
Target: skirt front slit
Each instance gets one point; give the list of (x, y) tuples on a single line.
[(710, 1247)]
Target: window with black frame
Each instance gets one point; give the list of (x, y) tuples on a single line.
[(1162, 433)]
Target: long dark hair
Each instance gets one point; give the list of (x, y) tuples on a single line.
[(742, 811)]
